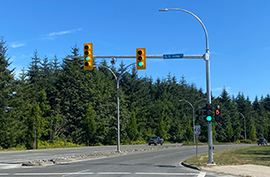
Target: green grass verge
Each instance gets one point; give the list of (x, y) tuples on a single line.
[(257, 155)]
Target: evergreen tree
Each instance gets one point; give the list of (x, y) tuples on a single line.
[(132, 131), (89, 125), (8, 122), (161, 129)]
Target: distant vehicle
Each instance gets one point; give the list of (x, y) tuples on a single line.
[(262, 141), (155, 140)]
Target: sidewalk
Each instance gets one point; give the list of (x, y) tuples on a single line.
[(241, 170)]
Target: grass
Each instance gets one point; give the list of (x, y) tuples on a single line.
[(257, 155), (190, 143)]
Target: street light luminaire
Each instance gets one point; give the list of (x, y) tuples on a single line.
[(163, 10)]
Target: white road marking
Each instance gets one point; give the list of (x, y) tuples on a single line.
[(114, 173), (8, 166), (166, 174), (55, 174), (202, 174)]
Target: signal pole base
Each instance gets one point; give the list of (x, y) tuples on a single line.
[(211, 164)]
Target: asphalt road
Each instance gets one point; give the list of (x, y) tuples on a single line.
[(23, 156), (160, 163)]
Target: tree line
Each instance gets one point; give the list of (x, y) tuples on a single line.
[(52, 100)]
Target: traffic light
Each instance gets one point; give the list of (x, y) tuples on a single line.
[(140, 58), (200, 114), (88, 56), (208, 113), (217, 114)]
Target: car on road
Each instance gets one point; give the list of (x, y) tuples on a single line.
[(155, 140), (262, 141)]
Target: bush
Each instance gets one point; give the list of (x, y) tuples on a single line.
[(247, 141), (138, 142), (56, 144), (189, 143)]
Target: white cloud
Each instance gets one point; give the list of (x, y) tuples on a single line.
[(218, 89), (59, 33), (17, 45), (52, 35)]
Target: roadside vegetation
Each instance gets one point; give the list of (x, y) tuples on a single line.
[(45, 145), (54, 100), (257, 155)]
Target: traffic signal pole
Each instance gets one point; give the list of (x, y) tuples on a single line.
[(210, 132), (206, 57)]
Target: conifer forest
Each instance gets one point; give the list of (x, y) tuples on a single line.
[(55, 99)]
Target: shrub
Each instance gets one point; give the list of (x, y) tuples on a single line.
[(247, 141)]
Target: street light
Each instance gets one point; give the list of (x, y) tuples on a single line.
[(244, 122), (193, 114), (118, 112), (207, 62)]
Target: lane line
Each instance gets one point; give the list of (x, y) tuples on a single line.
[(55, 174), (114, 173), (166, 174)]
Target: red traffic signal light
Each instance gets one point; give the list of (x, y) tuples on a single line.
[(217, 114)]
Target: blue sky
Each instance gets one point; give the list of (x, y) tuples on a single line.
[(238, 31)]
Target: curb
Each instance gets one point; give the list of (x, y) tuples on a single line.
[(190, 166)]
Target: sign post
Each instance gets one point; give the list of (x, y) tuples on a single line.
[(197, 132)]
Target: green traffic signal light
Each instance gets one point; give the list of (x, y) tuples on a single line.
[(209, 118), (140, 58)]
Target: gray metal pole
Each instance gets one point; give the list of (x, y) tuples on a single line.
[(245, 128), (207, 61), (210, 133), (193, 114), (118, 104), (192, 118), (118, 118), (193, 125), (244, 124)]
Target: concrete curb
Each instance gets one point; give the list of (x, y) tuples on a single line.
[(190, 166)]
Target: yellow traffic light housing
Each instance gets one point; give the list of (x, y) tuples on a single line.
[(140, 58), (88, 56)]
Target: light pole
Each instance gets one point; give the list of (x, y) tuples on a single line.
[(118, 111), (245, 122), (193, 114), (208, 89)]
